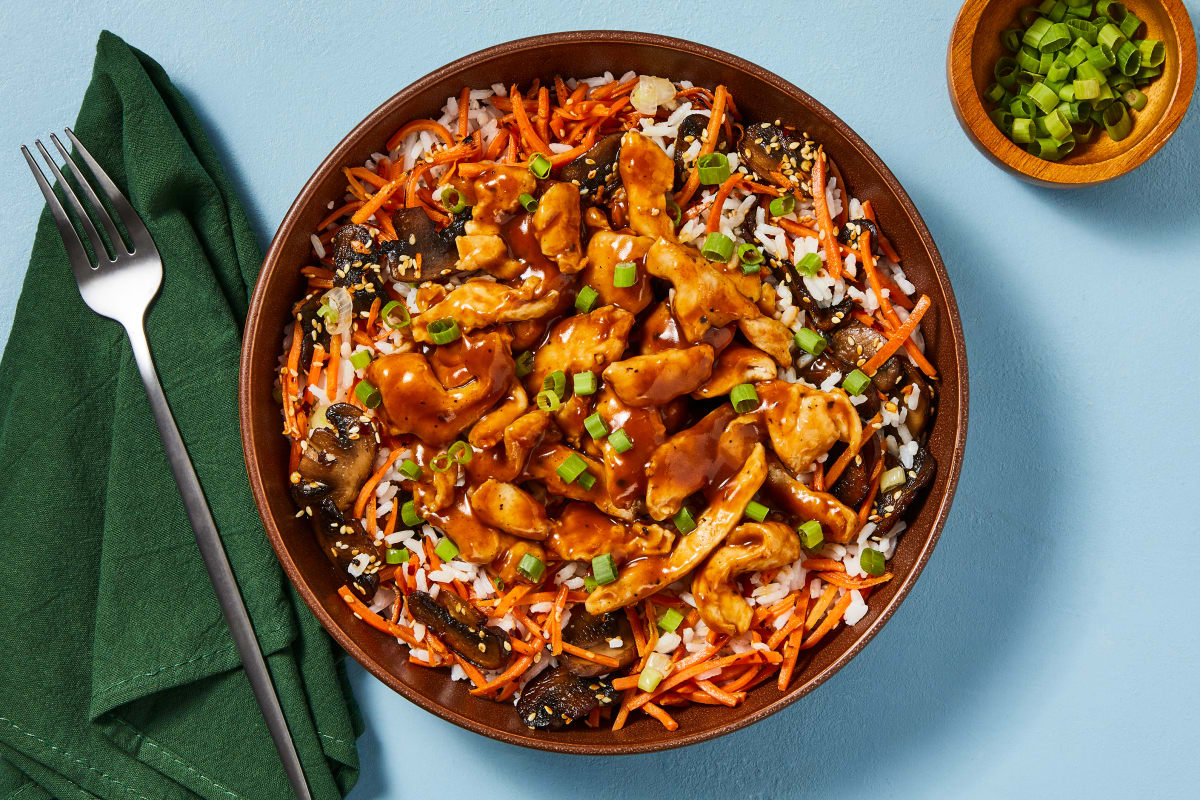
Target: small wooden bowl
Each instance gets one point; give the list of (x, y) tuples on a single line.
[(760, 95), (975, 47)]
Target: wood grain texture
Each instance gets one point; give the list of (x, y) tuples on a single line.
[(975, 47)]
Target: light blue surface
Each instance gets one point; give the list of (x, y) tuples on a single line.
[(1037, 656)]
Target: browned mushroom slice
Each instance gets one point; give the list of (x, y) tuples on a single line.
[(458, 624), (705, 298), (647, 174), (839, 521), (597, 167), (356, 265), (828, 366), (805, 423), (823, 318), (854, 483), (921, 409), (605, 250), (641, 578), (657, 378), (737, 365), (557, 697), (338, 459), (752, 546), (773, 153), (855, 344), (313, 329), (891, 505), (609, 635), (416, 234), (556, 226), (511, 509), (414, 401)]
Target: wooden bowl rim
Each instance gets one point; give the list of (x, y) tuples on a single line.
[(953, 373), (973, 117)]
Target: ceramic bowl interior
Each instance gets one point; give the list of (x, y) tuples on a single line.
[(759, 95)]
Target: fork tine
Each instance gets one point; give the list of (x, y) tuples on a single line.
[(75, 249), (98, 208), (129, 218), (84, 220)]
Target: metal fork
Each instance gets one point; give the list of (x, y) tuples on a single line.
[(121, 288)]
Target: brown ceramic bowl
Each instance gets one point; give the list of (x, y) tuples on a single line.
[(759, 95), (975, 48)]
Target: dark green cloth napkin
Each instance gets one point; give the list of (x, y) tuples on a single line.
[(118, 677)]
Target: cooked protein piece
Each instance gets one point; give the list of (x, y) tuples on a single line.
[(606, 398)]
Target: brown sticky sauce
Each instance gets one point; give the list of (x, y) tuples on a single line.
[(627, 472), (523, 245), (661, 332), (477, 543)]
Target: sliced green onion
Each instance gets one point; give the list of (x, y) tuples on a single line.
[(1043, 97), (327, 313), (1129, 59), (649, 679), (587, 480), (1057, 12), (589, 584), (1045, 147), (584, 382), (396, 555), (1112, 9), (395, 314), (1117, 122), (1111, 35), (625, 275), (453, 200), (856, 382), (674, 209), (1086, 89), (1066, 92), (1154, 52), (1022, 131), (994, 93), (444, 331), (670, 620), (620, 440), (585, 299), (524, 363), (1005, 73), (367, 394), (809, 265), (810, 341), (360, 358), (1130, 25), (1056, 38), (410, 469), (1011, 39), (782, 206), (531, 567), (595, 426), (540, 166), (744, 398), (891, 479), (1029, 60), (409, 515), (1003, 119), (460, 452), (750, 257), (1057, 125), (1059, 69), (684, 523), (1101, 57), (548, 401), (1076, 57), (556, 382), (872, 561), (1021, 107), (717, 247), (1034, 33), (1027, 14), (1134, 99), (604, 569), (810, 534), (713, 168), (528, 202), (446, 549), (441, 462), (757, 511), (571, 468)]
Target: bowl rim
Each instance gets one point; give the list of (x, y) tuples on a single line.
[(973, 117), (336, 159)]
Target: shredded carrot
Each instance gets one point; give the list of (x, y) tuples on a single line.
[(555, 621), (714, 214), (884, 242), (898, 338), (635, 623), (846, 582), (778, 636), (337, 214), (865, 510), (370, 177), (374, 620), (472, 672), (513, 672), (376, 201), (368, 488), (543, 113), (510, 599), (532, 140), (662, 716), (435, 128), (626, 682), (828, 624), (822, 603), (833, 263), (602, 660), (720, 97), (827, 564), (680, 676), (373, 313)]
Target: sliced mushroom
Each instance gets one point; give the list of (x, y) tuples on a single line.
[(647, 174), (643, 577), (854, 483), (656, 378), (773, 153), (511, 509), (839, 521), (751, 547), (556, 224), (338, 459), (805, 423), (313, 329), (458, 624), (891, 505), (737, 365), (691, 129), (855, 344), (609, 635), (356, 265), (414, 401), (596, 168), (918, 417), (557, 697), (849, 233), (823, 318), (416, 234), (826, 366)]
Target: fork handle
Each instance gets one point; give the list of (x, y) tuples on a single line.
[(217, 563)]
